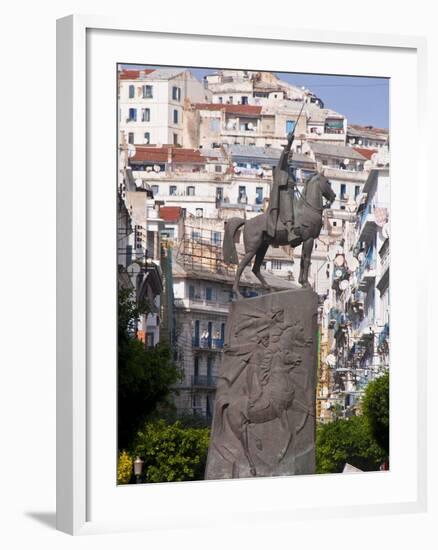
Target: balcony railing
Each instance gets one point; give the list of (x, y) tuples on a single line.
[(204, 381), (214, 344), (367, 269)]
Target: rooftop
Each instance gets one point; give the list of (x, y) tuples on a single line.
[(254, 110), (367, 153), (367, 131), (150, 153), (335, 150), (170, 214)]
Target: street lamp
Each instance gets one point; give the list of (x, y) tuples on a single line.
[(138, 468)]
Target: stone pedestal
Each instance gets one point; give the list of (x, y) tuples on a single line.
[(264, 413)]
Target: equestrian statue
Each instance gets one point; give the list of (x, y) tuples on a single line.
[(292, 218)]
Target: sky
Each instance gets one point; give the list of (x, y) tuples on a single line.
[(363, 100)]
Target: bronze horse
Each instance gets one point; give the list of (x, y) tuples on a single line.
[(308, 223)]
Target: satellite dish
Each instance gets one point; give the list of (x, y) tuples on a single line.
[(385, 231), (330, 360), (346, 161), (339, 260), (138, 182), (338, 273), (156, 168), (131, 150), (250, 125), (360, 142), (343, 284), (353, 264)]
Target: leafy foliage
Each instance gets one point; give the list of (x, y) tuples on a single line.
[(375, 407), (124, 468), (145, 376), (172, 452), (346, 440)]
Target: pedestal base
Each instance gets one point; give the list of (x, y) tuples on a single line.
[(264, 413)]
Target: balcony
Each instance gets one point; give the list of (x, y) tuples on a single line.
[(207, 344), (367, 224), (366, 273), (204, 381), (348, 175)]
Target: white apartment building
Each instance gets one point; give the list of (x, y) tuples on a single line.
[(151, 104), (254, 88)]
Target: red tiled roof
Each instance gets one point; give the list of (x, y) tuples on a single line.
[(148, 153), (367, 153), (130, 74), (170, 213), (230, 108), (371, 129)]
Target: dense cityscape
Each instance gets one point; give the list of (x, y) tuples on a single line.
[(193, 154)]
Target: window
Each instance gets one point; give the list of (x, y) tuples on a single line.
[(219, 193), (172, 190), (147, 91), (147, 137), (230, 99), (132, 114), (175, 139), (343, 191), (199, 212), (242, 194), (218, 168), (221, 99), (191, 190), (276, 264), (176, 93), (175, 116), (209, 293), (131, 137), (131, 91), (196, 366), (244, 100), (259, 195), (290, 125), (155, 189), (356, 191), (216, 237), (215, 124), (191, 291), (145, 115)]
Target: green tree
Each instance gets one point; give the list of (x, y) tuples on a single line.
[(375, 406), (145, 376), (172, 452), (346, 440)]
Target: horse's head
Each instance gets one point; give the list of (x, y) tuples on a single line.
[(326, 189)]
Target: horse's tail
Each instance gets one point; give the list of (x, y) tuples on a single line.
[(229, 246)]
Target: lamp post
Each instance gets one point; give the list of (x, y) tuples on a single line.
[(138, 468)]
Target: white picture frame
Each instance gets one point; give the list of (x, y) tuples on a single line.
[(86, 429)]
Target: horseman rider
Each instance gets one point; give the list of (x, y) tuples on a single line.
[(281, 202)]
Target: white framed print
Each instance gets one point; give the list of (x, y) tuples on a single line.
[(164, 137)]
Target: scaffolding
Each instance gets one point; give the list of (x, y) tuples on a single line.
[(200, 249)]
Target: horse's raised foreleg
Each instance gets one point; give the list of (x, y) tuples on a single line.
[(260, 255), (306, 254), (245, 261)]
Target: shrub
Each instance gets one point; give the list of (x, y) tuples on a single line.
[(172, 452), (124, 468), (346, 440)]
